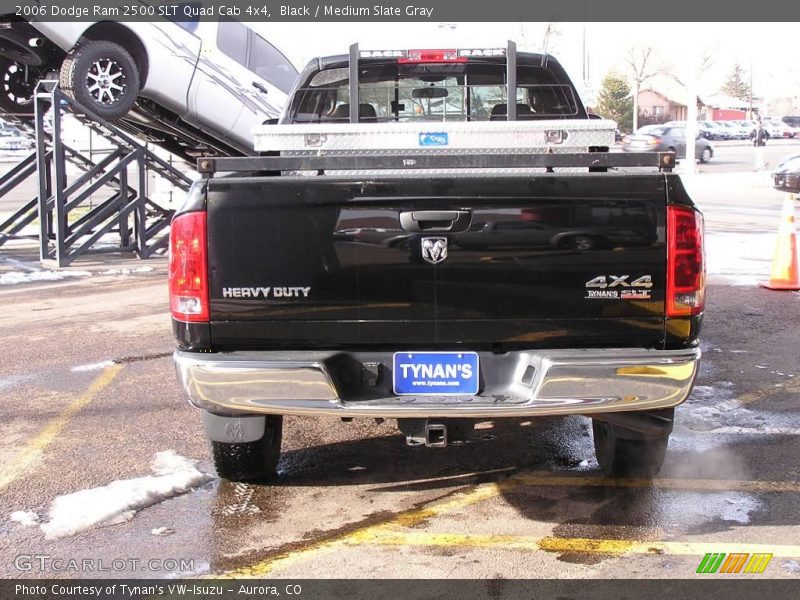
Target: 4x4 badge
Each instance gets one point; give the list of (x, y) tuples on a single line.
[(434, 249)]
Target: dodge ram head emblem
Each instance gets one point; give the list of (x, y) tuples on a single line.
[(434, 249), (235, 431)]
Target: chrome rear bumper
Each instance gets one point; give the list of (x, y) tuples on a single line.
[(514, 384)]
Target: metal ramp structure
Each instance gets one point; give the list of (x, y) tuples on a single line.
[(70, 221)]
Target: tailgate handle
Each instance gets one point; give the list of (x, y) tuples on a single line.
[(435, 220)]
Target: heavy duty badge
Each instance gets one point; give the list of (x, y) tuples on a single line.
[(434, 249)]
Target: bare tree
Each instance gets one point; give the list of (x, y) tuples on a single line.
[(550, 35), (704, 63), (642, 67), (707, 60)]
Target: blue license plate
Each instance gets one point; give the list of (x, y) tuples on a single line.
[(435, 373)]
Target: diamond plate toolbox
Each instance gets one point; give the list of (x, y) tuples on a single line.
[(562, 135)]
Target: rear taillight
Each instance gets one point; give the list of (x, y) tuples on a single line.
[(686, 277), (188, 268)]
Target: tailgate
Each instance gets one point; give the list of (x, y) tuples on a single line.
[(497, 261)]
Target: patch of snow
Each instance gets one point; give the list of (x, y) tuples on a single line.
[(24, 518), (127, 271), (119, 501), (15, 277), (22, 266), (752, 430), (14, 380), (92, 367), (162, 531), (695, 508), (791, 565)]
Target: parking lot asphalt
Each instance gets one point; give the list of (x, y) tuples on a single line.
[(89, 396)]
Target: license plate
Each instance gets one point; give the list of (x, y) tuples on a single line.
[(435, 373)]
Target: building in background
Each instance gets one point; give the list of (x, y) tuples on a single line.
[(665, 100), (720, 107)]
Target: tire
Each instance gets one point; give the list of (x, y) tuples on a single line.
[(705, 155), (250, 461), (101, 76), (16, 88), (621, 456)]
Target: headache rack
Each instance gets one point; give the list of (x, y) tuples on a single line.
[(367, 148), (593, 161)]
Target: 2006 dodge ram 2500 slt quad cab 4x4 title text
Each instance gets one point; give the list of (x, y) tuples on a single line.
[(463, 247)]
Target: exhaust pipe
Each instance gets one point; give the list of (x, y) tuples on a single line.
[(36, 42)]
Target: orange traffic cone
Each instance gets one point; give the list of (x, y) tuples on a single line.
[(785, 275)]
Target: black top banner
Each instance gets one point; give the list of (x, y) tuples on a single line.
[(404, 10)]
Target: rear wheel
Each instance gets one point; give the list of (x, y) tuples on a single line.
[(101, 76), (18, 82), (250, 461), (622, 453)]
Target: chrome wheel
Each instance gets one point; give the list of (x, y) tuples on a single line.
[(106, 81), (102, 78)]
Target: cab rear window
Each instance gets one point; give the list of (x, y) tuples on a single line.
[(434, 92)]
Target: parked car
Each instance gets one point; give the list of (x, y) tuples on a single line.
[(786, 176), (667, 138), (717, 131), (12, 138), (774, 127), (737, 131), (742, 128), (209, 80), (702, 129), (792, 125)]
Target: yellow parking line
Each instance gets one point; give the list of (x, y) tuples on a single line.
[(543, 478), (585, 545), (33, 450), (386, 529), (406, 519), (791, 386)]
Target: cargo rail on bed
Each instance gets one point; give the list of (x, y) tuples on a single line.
[(593, 161)]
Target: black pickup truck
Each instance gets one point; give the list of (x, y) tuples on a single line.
[(437, 288)]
